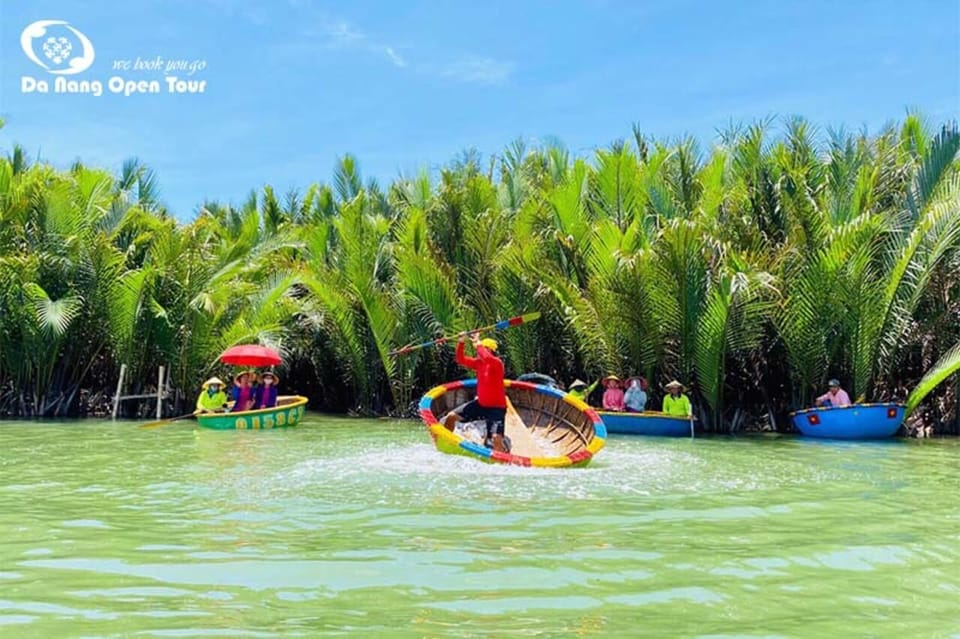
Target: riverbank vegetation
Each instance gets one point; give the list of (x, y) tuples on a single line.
[(753, 270)]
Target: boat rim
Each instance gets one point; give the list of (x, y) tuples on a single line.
[(646, 413), (820, 409), (298, 400)]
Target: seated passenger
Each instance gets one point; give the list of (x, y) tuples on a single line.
[(676, 403), (613, 396), (581, 391), (635, 399), (242, 395), (836, 396), (266, 394), (212, 399)]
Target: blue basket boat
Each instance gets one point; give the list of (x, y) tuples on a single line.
[(646, 423), (860, 421)]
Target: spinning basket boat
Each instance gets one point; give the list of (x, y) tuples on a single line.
[(545, 426)]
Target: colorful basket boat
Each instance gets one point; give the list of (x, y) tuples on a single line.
[(288, 412), (860, 421), (546, 427), (646, 423)]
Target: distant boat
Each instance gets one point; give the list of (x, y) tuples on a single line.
[(544, 425), (646, 423), (859, 421), (288, 412), (539, 378)]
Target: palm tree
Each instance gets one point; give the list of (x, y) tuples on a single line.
[(835, 253)]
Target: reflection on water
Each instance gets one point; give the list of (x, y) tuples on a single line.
[(360, 527)]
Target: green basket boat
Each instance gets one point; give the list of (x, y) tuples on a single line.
[(288, 412)]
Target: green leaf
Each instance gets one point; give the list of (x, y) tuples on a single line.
[(946, 366)]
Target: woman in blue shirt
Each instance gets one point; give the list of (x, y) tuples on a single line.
[(635, 399)]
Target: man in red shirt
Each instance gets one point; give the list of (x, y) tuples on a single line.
[(490, 404)]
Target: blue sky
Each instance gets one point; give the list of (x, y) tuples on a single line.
[(294, 84)]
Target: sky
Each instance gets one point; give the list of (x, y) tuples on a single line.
[(293, 85)]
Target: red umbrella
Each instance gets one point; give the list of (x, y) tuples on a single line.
[(250, 355)]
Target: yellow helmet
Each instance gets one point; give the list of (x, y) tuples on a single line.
[(490, 343)]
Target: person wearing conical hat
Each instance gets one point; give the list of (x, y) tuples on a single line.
[(580, 390), (242, 392), (266, 393), (676, 403), (212, 399), (613, 396), (635, 398), (490, 404)]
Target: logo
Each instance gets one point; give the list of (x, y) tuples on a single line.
[(61, 50)]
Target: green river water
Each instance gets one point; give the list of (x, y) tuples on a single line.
[(360, 528)]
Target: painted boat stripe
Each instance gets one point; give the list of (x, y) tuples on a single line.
[(436, 392), (443, 433), (596, 444), (550, 462), (476, 449)]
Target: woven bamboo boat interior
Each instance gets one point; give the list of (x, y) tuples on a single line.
[(537, 424)]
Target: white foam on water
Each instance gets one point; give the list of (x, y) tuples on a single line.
[(421, 468), (392, 473)]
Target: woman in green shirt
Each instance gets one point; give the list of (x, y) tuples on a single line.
[(676, 403), (581, 391), (212, 399)]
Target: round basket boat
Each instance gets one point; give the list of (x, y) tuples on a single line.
[(288, 412), (545, 426), (646, 423), (859, 421)]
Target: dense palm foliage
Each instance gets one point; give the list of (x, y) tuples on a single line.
[(753, 272)]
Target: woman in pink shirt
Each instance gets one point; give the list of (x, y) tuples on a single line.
[(836, 396), (613, 396)]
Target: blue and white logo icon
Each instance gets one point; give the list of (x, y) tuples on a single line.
[(57, 46)]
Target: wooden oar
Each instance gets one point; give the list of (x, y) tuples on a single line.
[(170, 420), (499, 326)]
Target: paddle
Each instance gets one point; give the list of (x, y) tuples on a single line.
[(499, 326), (167, 421)]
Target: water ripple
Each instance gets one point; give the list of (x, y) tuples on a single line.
[(360, 528)]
